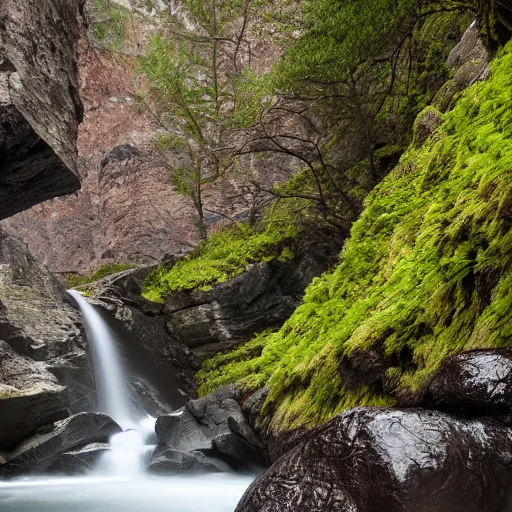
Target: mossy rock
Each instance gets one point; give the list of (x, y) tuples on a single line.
[(426, 274), (427, 122), (444, 98)]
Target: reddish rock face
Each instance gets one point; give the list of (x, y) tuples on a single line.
[(127, 210)]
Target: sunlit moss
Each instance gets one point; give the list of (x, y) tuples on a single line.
[(222, 256), (427, 273)]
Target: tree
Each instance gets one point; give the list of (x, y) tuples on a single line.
[(192, 75)]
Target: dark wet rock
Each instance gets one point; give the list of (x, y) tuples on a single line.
[(262, 297), (40, 107), (370, 459), (39, 323), (39, 452), (476, 383), (79, 461), (170, 461), (214, 424)]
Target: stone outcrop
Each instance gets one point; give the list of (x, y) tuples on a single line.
[(213, 425), (469, 61), (262, 297), (38, 453), (367, 459), (32, 398), (40, 106), (44, 368)]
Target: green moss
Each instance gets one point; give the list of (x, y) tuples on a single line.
[(221, 257), (426, 273), (73, 281)]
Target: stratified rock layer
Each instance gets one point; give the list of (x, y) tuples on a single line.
[(260, 298)]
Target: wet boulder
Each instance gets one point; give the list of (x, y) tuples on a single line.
[(39, 452), (79, 461), (476, 383), (371, 459), (215, 425), (169, 461)]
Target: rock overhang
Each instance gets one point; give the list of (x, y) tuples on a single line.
[(40, 106)]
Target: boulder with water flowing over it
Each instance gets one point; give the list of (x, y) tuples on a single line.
[(370, 460), (215, 425), (39, 452)]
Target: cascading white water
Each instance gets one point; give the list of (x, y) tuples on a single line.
[(111, 386), (127, 454)]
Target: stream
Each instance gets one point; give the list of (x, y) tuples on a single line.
[(120, 481)]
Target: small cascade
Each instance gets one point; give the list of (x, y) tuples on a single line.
[(129, 453)]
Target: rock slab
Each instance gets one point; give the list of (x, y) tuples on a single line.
[(38, 453)]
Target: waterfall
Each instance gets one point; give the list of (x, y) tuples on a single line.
[(111, 386), (128, 452)]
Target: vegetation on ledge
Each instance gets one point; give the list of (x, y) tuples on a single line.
[(222, 256), (426, 273), (73, 281)]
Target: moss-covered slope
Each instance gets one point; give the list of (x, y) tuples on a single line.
[(426, 273)]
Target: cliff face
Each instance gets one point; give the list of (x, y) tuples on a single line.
[(127, 210), (40, 107), (43, 347)]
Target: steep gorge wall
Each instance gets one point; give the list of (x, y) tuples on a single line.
[(127, 210), (40, 108)]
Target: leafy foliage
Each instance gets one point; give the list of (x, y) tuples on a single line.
[(426, 273)]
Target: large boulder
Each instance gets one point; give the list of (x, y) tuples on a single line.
[(39, 452), (79, 461), (371, 459), (476, 383), (40, 107), (215, 425), (262, 297)]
